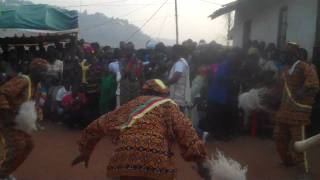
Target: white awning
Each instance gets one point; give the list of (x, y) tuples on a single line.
[(9, 33)]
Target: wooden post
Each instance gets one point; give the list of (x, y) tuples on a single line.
[(177, 23)]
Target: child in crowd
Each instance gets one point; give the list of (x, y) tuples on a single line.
[(73, 105)]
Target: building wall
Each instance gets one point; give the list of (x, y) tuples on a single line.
[(302, 16)]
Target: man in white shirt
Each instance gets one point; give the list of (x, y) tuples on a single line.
[(179, 79), (114, 67), (61, 93)]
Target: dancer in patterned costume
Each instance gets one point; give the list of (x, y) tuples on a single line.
[(16, 145), (300, 87), (144, 130)]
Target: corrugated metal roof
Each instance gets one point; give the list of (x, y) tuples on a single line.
[(225, 9)]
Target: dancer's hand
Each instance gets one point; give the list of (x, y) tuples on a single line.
[(204, 171), (81, 159)]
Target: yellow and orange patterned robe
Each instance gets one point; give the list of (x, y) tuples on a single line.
[(144, 144), (292, 116), (304, 76), (15, 144)]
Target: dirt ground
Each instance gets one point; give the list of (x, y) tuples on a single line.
[(55, 147)]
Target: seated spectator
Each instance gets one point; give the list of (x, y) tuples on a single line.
[(72, 105), (56, 93)]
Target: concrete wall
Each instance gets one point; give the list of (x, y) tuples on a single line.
[(302, 16)]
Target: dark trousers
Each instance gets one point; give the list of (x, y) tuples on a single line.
[(220, 119), (92, 110), (73, 118)]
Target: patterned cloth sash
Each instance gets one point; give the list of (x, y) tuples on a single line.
[(29, 87), (290, 98), (143, 109)]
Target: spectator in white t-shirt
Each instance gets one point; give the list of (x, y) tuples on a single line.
[(114, 67), (55, 65), (179, 79), (62, 92)]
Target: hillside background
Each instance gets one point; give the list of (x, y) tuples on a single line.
[(102, 29)]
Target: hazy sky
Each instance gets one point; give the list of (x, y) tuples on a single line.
[(193, 16)]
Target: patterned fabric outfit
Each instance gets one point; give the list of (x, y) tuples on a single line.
[(144, 130), (92, 89), (130, 84), (15, 145), (292, 117)]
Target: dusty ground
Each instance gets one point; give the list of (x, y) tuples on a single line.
[(56, 147)]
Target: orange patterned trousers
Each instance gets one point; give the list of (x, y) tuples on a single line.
[(18, 146), (285, 135)]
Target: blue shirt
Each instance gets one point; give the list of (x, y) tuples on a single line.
[(218, 88)]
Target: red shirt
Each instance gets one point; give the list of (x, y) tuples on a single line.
[(74, 101)]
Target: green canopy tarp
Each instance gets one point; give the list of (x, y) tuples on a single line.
[(38, 17)]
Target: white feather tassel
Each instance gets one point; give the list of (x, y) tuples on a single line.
[(251, 100), (27, 117), (223, 168)]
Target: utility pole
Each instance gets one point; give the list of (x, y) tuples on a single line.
[(229, 28), (177, 24)]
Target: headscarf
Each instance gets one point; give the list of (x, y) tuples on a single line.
[(292, 47), (253, 51), (203, 71), (39, 63), (88, 48), (155, 85), (291, 43)]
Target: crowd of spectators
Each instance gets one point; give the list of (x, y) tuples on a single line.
[(86, 80)]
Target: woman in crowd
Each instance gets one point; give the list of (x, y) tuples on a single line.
[(73, 107), (108, 90)]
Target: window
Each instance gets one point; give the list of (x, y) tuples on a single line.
[(246, 32), (283, 25)]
